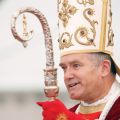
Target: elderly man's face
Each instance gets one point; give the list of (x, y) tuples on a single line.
[(81, 76)]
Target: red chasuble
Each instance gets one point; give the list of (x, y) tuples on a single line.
[(91, 116), (113, 114)]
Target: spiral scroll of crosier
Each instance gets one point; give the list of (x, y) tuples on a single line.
[(51, 88)]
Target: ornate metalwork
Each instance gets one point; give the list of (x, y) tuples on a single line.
[(84, 2), (110, 31), (26, 35), (51, 88), (59, 1), (66, 12), (82, 32), (65, 40)]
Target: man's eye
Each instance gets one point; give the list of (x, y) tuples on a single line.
[(76, 66), (63, 68)]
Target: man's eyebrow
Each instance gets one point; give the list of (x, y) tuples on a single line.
[(71, 62)]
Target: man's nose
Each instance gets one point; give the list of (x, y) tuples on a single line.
[(68, 74)]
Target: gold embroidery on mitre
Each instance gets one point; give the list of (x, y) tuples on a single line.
[(65, 40), (66, 12), (103, 25), (110, 31), (84, 2), (61, 116), (83, 32)]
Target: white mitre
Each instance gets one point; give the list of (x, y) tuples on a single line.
[(86, 26)]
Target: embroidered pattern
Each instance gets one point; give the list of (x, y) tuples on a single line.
[(61, 116), (65, 40), (83, 32), (110, 31), (66, 12), (84, 2)]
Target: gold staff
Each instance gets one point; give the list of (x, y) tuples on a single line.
[(50, 73)]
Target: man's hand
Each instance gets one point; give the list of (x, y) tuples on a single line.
[(56, 110)]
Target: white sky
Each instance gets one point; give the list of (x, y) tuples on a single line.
[(20, 68)]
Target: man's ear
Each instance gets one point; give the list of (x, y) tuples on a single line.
[(105, 67)]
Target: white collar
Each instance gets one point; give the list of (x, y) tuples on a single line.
[(110, 98), (114, 96)]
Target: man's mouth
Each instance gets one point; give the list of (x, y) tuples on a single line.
[(73, 85)]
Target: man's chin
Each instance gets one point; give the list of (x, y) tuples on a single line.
[(74, 96)]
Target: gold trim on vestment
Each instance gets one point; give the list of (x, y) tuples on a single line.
[(83, 51), (91, 109), (103, 25)]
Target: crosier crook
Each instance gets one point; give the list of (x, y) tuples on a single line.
[(50, 73)]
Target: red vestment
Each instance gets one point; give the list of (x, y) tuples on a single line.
[(113, 114)]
